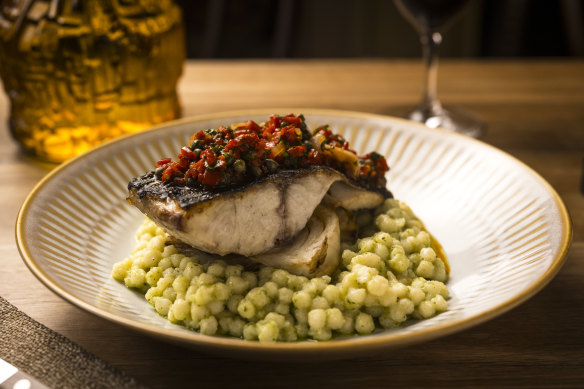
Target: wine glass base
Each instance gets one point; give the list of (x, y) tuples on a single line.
[(451, 118)]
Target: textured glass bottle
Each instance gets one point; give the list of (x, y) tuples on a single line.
[(80, 72)]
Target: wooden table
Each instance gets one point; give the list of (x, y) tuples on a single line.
[(534, 111)]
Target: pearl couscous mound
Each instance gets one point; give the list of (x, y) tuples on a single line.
[(382, 280)]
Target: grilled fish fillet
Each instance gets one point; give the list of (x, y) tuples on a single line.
[(248, 220)]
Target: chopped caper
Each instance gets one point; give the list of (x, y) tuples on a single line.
[(158, 172), (248, 155), (197, 144), (229, 159), (239, 166), (271, 165), (375, 156), (256, 171)]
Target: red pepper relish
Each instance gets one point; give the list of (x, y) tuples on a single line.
[(235, 155)]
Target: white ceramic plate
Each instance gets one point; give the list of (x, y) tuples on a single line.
[(503, 227)]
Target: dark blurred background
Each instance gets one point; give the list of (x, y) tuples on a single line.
[(374, 28)]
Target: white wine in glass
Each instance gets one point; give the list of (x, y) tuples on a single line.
[(430, 18)]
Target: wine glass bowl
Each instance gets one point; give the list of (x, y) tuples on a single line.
[(430, 18)]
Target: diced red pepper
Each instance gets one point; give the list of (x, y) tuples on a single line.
[(251, 138), (315, 157), (209, 156), (163, 162), (187, 153), (233, 144), (291, 134), (382, 165), (292, 119), (297, 151), (253, 126), (212, 177), (167, 173)]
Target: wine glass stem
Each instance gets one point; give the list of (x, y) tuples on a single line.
[(430, 45)]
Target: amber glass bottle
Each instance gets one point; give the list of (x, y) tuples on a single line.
[(80, 72)]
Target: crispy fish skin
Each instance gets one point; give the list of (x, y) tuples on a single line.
[(249, 220)]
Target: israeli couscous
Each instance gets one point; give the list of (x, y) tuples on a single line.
[(395, 273)]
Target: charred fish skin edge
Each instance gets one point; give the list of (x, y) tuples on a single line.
[(186, 196)]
